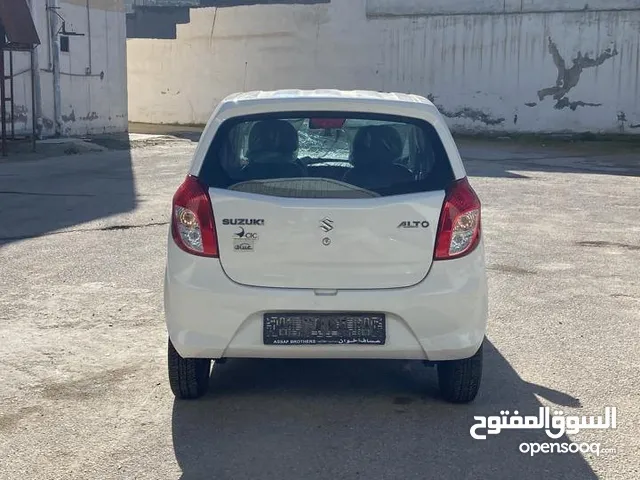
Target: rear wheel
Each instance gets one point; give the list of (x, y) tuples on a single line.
[(460, 379), (188, 377)]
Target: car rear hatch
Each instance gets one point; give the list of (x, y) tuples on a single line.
[(326, 200), (385, 242)]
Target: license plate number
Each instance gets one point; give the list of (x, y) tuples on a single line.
[(324, 329)]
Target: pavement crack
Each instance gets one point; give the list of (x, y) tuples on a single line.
[(600, 244), (511, 269), (45, 194), (128, 227), (82, 230)]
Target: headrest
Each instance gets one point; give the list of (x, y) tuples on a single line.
[(376, 144), (272, 136)]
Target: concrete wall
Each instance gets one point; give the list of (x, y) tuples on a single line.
[(93, 80), (499, 65)]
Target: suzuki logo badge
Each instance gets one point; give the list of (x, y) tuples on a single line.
[(326, 224)]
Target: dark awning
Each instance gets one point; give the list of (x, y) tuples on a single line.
[(16, 20)]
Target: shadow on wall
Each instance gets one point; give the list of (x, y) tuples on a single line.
[(43, 195), (359, 419), (161, 22)]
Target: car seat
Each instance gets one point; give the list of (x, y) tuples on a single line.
[(373, 153), (272, 151)]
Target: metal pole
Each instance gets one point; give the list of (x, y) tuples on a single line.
[(34, 118), (11, 93), (36, 104), (90, 68), (55, 50), (3, 106)]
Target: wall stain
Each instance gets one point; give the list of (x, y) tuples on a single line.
[(467, 112), (565, 102), (568, 78), (19, 113), (622, 120), (69, 118), (472, 114), (90, 116)]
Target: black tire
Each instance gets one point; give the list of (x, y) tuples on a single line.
[(188, 377), (460, 379)]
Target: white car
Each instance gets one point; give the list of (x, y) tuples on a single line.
[(326, 224)]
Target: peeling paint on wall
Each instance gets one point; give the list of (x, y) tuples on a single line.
[(467, 112), (622, 120), (69, 118), (90, 116), (568, 78), (473, 114), (565, 102), (20, 114)]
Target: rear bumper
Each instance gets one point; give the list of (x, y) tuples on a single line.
[(444, 317)]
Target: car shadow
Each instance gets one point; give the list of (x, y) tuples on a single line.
[(44, 194), (359, 419)]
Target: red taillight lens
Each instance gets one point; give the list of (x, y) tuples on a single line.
[(192, 224), (459, 226)]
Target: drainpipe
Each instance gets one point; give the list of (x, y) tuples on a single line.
[(53, 8), (35, 72), (90, 67)]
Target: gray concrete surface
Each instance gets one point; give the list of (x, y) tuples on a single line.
[(83, 384)]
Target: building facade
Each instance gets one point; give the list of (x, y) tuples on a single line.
[(490, 65), (88, 92)]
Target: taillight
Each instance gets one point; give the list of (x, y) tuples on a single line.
[(192, 223), (459, 226)]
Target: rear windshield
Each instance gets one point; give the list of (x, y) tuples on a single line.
[(327, 156)]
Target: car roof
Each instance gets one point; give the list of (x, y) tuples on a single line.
[(256, 102), (326, 94)]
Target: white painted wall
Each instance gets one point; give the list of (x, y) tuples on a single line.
[(484, 69), (90, 104), (459, 7)]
